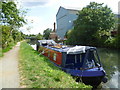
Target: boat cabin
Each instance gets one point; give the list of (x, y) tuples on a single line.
[(77, 57)]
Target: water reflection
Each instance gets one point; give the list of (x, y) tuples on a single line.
[(109, 59), (33, 43)]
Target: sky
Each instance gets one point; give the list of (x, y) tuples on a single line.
[(41, 14)]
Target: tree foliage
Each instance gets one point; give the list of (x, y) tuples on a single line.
[(93, 24), (10, 38), (6, 37), (95, 16), (46, 33), (39, 36), (11, 19), (11, 15)]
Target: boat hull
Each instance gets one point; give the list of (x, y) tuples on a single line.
[(93, 81), (93, 78), (61, 58)]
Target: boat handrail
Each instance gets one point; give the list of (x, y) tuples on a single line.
[(70, 64), (89, 68)]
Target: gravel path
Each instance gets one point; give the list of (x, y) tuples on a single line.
[(9, 74)]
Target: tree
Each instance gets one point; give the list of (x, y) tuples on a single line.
[(11, 19), (96, 16), (118, 37), (39, 36), (11, 15), (6, 37), (17, 35), (91, 20), (46, 33)]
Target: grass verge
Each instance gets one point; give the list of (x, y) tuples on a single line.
[(8, 48), (37, 72), (1, 54), (2, 51)]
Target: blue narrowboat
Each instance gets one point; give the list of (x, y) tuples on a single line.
[(79, 61)]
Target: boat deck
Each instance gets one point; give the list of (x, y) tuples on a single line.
[(64, 49)]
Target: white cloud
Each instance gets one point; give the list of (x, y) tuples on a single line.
[(36, 0), (33, 19), (35, 25), (32, 23), (35, 3)]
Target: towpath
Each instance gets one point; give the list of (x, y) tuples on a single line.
[(9, 73)]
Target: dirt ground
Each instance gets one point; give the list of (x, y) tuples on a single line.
[(9, 72)]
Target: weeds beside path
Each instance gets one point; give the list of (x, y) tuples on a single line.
[(9, 74), (1, 52), (38, 72)]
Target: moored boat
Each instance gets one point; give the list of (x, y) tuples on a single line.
[(79, 61)]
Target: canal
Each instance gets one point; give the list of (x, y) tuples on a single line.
[(110, 60)]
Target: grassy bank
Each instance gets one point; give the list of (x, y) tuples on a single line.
[(2, 51), (1, 54), (37, 72), (8, 48)]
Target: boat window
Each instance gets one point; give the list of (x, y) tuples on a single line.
[(78, 58), (48, 53), (44, 43), (96, 58), (90, 64), (82, 56), (70, 61), (75, 60), (54, 56), (90, 60), (70, 58)]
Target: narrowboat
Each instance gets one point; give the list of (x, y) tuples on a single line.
[(79, 61)]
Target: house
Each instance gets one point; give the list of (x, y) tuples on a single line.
[(64, 19)]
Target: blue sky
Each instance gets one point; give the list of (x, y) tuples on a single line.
[(42, 13)]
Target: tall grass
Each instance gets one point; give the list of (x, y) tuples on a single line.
[(37, 72), (8, 48), (1, 54)]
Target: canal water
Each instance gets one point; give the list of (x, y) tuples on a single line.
[(110, 60)]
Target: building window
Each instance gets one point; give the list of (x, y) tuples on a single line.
[(54, 56)]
